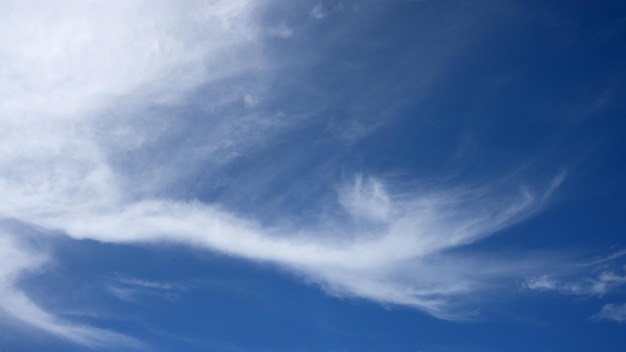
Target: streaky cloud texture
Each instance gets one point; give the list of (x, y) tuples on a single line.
[(17, 259), (95, 143), (66, 69), (61, 142), (595, 278), (376, 263)]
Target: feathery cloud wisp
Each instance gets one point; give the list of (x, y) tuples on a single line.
[(600, 279), (595, 285), (16, 259), (381, 263), (613, 312), (64, 66)]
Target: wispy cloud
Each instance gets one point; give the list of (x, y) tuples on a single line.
[(318, 12), (596, 284), (613, 312), (398, 261), (605, 259), (16, 259), (595, 279), (134, 290), (61, 144), (82, 139)]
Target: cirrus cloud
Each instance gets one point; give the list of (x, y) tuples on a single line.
[(85, 98)]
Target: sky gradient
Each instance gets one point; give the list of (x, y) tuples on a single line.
[(244, 176)]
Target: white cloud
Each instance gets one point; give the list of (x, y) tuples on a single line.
[(66, 65), (250, 101), (397, 262), (76, 83), (596, 281), (134, 290), (74, 77), (318, 12), (366, 199), (613, 312), (75, 60), (596, 285), (16, 259), (541, 283)]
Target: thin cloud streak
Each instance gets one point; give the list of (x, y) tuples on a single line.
[(598, 283), (134, 290), (17, 260)]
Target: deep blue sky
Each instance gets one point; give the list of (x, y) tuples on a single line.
[(432, 176)]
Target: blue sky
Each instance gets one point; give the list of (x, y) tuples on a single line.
[(245, 176)]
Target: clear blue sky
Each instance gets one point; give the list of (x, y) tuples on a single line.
[(279, 176)]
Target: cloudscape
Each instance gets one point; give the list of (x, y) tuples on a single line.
[(312, 176)]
